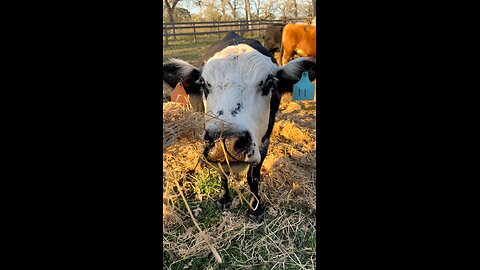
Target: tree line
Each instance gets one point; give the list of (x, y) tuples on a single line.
[(231, 10)]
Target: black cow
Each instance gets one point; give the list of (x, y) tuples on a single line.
[(272, 40), (241, 86)]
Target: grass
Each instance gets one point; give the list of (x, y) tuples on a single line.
[(184, 48), (280, 243)]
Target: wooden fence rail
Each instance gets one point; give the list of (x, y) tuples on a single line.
[(172, 30)]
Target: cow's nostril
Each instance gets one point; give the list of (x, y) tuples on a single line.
[(231, 146), (207, 137), (243, 142)]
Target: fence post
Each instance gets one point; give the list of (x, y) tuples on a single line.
[(258, 27), (173, 31), (166, 35), (194, 34), (218, 30)]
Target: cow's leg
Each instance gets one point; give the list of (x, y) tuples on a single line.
[(253, 179), (224, 201), (287, 55), (301, 53)]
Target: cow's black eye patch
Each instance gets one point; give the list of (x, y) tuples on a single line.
[(205, 88), (269, 84)]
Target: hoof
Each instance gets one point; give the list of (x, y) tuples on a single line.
[(223, 206), (256, 216)]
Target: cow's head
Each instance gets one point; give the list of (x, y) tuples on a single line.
[(240, 88), (270, 44)]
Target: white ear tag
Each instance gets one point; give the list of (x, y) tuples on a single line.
[(303, 89)]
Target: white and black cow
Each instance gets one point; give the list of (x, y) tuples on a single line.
[(241, 86)]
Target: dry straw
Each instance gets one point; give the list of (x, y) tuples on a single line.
[(288, 180)]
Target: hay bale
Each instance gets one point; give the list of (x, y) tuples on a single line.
[(180, 121)]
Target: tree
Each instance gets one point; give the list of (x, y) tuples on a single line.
[(257, 4), (283, 8), (295, 9), (248, 13), (210, 11), (223, 6), (267, 10), (233, 4), (170, 6), (304, 8), (182, 14), (291, 8)]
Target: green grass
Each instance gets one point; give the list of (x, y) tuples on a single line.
[(184, 48), (268, 240), (234, 256)]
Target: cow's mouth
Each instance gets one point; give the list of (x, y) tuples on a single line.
[(225, 158), (231, 149), (228, 148)]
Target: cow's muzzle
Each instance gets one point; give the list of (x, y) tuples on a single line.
[(233, 147)]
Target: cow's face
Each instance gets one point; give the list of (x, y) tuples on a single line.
[(238, 84)]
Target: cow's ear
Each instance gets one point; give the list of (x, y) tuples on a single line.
[(291, 73), (176, 70)]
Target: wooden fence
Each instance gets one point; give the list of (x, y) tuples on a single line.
[(194, 29)]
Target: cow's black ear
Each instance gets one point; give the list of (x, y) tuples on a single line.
[(176, 70), (291, 73)]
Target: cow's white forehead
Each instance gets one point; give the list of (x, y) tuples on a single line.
[(240, 63)]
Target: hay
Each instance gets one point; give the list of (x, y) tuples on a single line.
[(180, 121), (288, 183), (201, 232)]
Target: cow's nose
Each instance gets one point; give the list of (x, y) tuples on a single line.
[(208, 137), (243, 142), (237, 145)]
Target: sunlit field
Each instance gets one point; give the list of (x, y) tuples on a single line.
[(184, 48)]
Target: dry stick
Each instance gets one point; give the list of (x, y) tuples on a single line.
[(212, 248), (228, 164), (231, 180), (234, 187)]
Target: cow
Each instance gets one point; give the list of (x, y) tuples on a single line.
[(298, 39), (272, 40), (241, 86)]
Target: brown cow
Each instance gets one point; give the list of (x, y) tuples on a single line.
[(298, 39)]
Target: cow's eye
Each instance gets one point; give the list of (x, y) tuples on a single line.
[(205, 87), (269, 84)]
